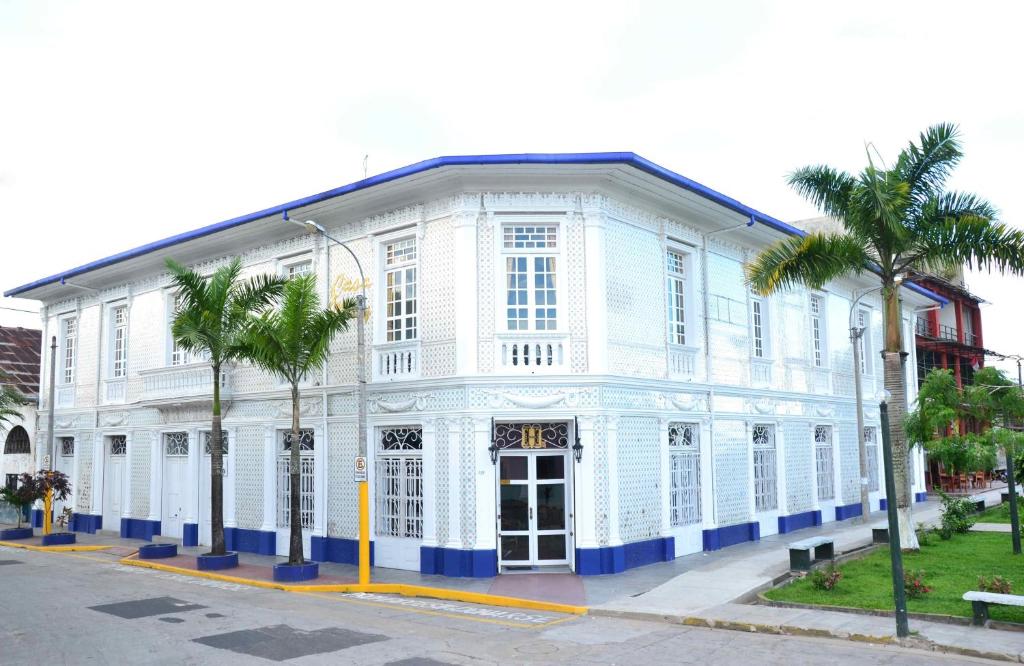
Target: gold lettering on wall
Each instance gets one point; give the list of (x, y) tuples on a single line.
[(344, 287)]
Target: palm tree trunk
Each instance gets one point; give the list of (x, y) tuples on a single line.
[(216, 472), (295, 555), (895, 383)]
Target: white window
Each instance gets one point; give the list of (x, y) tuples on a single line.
[(67, 447), (823, 462), (69, 346), (818, 349), (400, 290), (176, 444), (118, 341), (531, 287), (297, 268), (118, 445), (759, 327), (223, 442), (178, 355), (766, 491), (676, 266), (399, 483), (684, 466), (871, 446), (864, 340)]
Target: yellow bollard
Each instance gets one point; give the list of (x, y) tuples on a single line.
[(364, 533), (47, 508)]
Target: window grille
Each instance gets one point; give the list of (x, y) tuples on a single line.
[(306, 492), (676, 298), (401, 439), (401, 303), (118, 445), (67, 446), (823, 462), (863, 321), (871, 446), (119, 340), (306, 440), (17, 441), (400, 252), (817, 333), (298, 268), (399, 483), (208, 436), (530, 237), (531, 285), (70, 338), (757, 321), (766, 496), (684, 465), (176, 443), (531, 435)]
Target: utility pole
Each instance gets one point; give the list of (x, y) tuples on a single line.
[(865, 498), (1011, 481), (48, 501), (899, 592)]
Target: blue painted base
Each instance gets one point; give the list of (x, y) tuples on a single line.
[(250, 541), (293, 573), (58, 539), (158, 551), (883, 504), (336, 549), (848, 511), (217, 562), (730, 535), (189, 535), (458, 563), (16, 533), (920, 497), (139, 528), (84, 522), (799, 521), (615, 559), (37, 517)]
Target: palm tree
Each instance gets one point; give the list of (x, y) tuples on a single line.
[(209, 320), (895, 220), (10, 401), (293, 341)]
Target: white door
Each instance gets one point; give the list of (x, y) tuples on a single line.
[(205, 522), (766, 479), (307, 492), (398, 489), (824, 469), (113, 481), (175, 484), (534, 509), (685, 512), (64, 462)]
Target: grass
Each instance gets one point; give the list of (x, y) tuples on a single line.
[(997, 514), (951, 568)]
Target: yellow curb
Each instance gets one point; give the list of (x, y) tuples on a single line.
[(382, 588), (83, 548)]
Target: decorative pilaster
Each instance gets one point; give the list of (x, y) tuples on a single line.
[(156, 477), (594, 224), (465, 277), (269, 480)]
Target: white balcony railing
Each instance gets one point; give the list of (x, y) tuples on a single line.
[(183, 382), (396, 361), (529, 353), (682, 361), (65, 396), (819, 380), (760, 371), (113, 391)]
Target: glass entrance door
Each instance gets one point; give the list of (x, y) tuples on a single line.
[(533, 505)]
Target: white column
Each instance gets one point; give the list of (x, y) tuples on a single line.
[(156, 476), (596, 293), (585, 506), (837, 468), (454, 486), (666, 477), (228, 479), (815, 505), (269, 480), (486, 486), (751, 495), (465, 294), (707, 471), (74, 474), (195, 451), (320, 481), (126, 477), (96, 498), (614, 539), (780, 469), (429, 482)]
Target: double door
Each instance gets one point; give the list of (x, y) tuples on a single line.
[(534, 500)]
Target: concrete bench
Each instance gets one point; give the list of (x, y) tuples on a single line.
[(800, 558), (978, 502), (880, 534), (980, 601)]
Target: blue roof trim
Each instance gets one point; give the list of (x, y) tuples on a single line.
[(627, 158)]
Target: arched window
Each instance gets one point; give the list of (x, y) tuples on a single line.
[(17, 441)]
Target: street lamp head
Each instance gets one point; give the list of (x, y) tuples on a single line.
[(314, 227), (884, 396)]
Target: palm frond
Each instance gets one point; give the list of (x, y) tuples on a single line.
[(965, 237), (320, 331), (926, 167), (880, 201), (825, 187), (810, 261)]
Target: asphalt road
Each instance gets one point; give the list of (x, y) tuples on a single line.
[(84, 608)]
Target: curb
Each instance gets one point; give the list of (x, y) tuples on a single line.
[(81, 548), (446, 594)]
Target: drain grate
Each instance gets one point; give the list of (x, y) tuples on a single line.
[(133, 610), (281, 642)]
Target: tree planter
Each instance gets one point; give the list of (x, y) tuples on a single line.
[(59, 539), (217, 562), (158, 551), (16, 533), (293, 573)]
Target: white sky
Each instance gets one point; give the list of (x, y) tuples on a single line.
[(125, 122)]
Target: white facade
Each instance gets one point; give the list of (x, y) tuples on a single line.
[(585, 301)]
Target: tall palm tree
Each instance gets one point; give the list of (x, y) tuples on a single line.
[(209, 320), (10, 401), (292, 341), (895, 220)]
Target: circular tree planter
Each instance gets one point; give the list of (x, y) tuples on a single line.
[(158, 551), (59, 539), (293, 573), (210, 562), (16, 533)]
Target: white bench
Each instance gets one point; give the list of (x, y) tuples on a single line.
[(980, 601), (800, 552), (978, 502)]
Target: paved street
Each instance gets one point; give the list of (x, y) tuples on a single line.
[(77, 608)]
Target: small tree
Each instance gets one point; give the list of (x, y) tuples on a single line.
[(291, 342), (33, 487)]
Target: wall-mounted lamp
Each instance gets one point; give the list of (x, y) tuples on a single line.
[(577, 448), (493, 449)]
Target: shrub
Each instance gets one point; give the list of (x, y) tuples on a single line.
[(957, 515), (913, 582), (996, 584), (825, 579), (924, 535)]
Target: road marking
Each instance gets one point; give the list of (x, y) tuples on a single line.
[(202, 582)]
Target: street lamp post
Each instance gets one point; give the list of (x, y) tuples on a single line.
[(364, 489), (1011, 482), (895, 551), (856, 334)]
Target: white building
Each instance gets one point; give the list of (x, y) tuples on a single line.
[(529, 302)]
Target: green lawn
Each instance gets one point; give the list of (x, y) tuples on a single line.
[(997, 514), (951, 568)]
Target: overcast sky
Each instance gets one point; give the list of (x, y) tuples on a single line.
[(124, 122)]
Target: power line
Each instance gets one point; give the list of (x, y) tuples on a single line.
[(19, 310)]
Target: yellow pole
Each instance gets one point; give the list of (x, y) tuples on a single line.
[(47, 507), (364, 533)]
